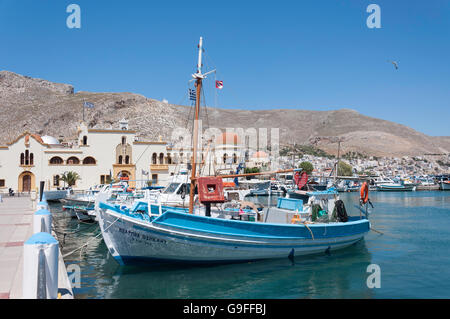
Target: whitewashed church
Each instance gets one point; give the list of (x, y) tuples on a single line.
[(117, 153)]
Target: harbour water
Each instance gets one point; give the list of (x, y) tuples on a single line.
[(413, 255)]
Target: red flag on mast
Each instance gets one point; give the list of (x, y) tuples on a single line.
[(219, 85)]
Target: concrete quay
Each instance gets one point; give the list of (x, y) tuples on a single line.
[(16, 227)]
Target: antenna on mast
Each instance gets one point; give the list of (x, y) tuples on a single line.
[(199, 74)]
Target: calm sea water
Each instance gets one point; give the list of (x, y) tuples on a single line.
[(413, 255)]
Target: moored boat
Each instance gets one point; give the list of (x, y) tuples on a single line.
[(188, 238), (396, 187), (206, 234), (444, 185), (55, 195)]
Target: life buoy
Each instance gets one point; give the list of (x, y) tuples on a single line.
[(364, 192)]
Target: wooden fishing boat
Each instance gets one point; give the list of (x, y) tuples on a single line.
[(206, 234)]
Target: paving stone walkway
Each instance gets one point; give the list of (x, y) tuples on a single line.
[(16, 217)]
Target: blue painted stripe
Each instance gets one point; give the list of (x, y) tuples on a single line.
[(258, 230), (234, 244)]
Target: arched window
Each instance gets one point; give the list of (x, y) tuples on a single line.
[(22, 159), (31, 159), (168, 159), (124, 140), (73, 161), (89, 161), (84, 140), (120, 159), (225, 157), (181, 158), (27, 157), (234, 158), (56, 160), (127, 159), (154, 157), (161, 158)]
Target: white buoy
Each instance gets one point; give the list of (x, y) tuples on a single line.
[(40, 267), (42, 218)]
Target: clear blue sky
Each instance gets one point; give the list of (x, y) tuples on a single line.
[(315, 55)]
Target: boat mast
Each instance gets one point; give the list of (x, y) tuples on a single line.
[(337, 163), (198, 84)]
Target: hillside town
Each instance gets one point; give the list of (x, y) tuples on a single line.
[(433, 164)]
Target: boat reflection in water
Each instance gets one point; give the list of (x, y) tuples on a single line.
[(339, 275)]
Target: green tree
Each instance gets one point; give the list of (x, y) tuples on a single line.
[(249, 170), (70, 178), (344, 169), (307, 167)]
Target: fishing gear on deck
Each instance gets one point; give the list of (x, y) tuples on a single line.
[(341, 211)]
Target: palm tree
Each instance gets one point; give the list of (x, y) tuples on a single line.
[(70, 178)]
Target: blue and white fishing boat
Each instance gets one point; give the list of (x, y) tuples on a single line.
[(444, 184), (176, 236), (396, 187), (205, 234)]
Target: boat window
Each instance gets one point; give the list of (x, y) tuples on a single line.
[(171, 188), (184, 188)]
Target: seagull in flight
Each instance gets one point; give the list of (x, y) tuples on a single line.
[(395, 63)]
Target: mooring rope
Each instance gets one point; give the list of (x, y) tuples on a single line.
[(81, 247), (312, 235)]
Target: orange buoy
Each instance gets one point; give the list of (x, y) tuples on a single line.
[(364, 192)]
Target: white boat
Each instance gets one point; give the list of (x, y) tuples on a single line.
[(177, 193), (87, 197), (396, 187), (55, 195), (444, 184)]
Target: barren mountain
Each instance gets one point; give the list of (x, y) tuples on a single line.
[(43, 107)]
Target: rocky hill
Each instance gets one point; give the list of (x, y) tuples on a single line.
[(43, 107)]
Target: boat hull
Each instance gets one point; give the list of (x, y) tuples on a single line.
[(444, 186), (74, 201), (395, 188), (183, 238), (54, 195), (84, 215)]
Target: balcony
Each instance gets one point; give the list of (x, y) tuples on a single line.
[(159, 167)]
